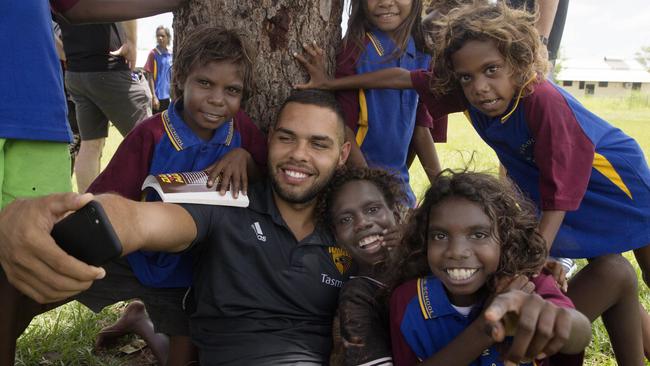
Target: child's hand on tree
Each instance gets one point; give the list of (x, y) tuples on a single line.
[(314, 63), (230, 171)]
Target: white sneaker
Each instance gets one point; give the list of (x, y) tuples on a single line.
[(569, 266)]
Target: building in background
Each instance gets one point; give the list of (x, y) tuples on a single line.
[(606, 77)]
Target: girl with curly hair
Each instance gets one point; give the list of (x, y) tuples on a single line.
[(362, 206), (460, 281)]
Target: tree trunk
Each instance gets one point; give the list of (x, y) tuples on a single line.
[(276, 29)]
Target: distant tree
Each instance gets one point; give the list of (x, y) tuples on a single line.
[(643, 56)]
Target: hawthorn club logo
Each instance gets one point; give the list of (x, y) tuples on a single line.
[(341, 259)]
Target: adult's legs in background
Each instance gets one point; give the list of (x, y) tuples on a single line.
[(88, 164)]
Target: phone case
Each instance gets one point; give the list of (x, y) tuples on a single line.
[(88, 235)]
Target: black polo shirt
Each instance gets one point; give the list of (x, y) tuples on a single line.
[(87, 47), (261, 296)]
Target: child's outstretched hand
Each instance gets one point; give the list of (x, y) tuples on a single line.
[(539, 328), (230, 171), (314, 63)]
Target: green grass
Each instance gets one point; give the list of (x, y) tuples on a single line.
[(65, 336)]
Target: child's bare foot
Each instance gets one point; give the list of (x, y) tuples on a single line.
[(135, 320)]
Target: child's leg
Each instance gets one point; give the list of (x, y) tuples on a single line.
[(135, 320), (643, 258), (165, 307), (607, 286), (645, 329), (16, 312), (182, 351), (87, 165)]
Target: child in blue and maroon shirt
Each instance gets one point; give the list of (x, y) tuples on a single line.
[(468, 254), (384, 123), (212, 74), (159, 70)]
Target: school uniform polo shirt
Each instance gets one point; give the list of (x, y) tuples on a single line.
[(565, 158), (261, 296), (159, 65), (423, 322), (383, 120), (164, 143)]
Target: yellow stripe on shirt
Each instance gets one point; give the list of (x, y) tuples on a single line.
[(171, 132), (375, 42), (605, 168), (362, 126)]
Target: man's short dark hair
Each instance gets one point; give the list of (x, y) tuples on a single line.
[(318, 98)]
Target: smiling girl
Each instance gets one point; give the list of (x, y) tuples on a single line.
[(383, 123), (459, 273)]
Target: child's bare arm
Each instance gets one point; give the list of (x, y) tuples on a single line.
[(539, 328), (391, 78), (549, 225), (233, 170), (155, 103), (425, 149)]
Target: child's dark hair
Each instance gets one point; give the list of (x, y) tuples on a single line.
[(358, 25), (444, 6), (206, 44), (167, 32), (514, 225), (512, 31), (388, 184)]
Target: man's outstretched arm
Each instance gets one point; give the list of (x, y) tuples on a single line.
[(97, 11), (36, 266), (154, 226)]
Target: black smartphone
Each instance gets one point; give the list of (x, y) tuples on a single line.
[(88, 235)]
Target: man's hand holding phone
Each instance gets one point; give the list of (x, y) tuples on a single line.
[(31, 259)]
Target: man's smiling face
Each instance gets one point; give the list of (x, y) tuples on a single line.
[(305, 148)]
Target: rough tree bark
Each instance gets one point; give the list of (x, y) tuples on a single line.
[(276, 29)]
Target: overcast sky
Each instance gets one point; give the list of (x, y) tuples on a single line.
[(594, 28)]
